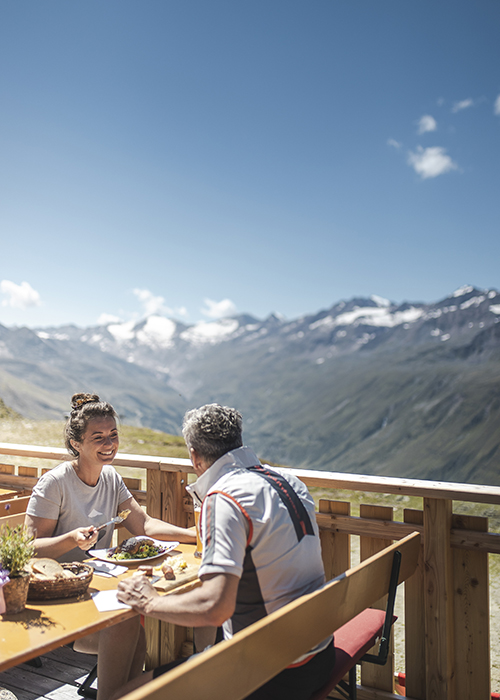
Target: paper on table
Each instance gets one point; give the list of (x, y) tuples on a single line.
[(107, 600), (107, 569)]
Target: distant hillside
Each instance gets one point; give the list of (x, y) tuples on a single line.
[(6, 412), (366, 386)]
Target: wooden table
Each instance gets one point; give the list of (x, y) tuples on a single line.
[(7, 493), (46, 625)]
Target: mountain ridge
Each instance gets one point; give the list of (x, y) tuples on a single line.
[(365, 385)]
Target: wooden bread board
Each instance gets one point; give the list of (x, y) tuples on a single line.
[(186, 576)]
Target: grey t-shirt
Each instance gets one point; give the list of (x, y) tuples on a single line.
[(60, 495)]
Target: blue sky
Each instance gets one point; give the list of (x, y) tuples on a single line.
[(209, 157)]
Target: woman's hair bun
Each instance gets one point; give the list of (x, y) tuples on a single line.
[(79, 400)]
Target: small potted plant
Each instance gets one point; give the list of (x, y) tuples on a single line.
[(16, 549)]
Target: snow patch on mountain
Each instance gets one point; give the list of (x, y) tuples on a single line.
[(461, 291), (122, 331), (369, 316), (380, 301), (158, 330), (473, 301), (211, 332)]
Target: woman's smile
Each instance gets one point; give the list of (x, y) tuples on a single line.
[(100, 442)]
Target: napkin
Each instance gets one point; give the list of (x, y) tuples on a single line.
[(107, 600), (104, 568)]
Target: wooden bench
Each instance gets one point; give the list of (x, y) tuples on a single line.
[(259, 652)]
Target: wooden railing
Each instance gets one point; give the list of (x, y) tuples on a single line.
[(446, 626)]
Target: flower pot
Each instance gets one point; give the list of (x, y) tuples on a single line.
[(15, 593)]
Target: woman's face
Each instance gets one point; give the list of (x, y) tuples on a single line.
[(99, 443)]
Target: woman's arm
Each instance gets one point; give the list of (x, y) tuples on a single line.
[(140, 523), (54, 547)]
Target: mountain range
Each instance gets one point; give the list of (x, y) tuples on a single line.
[(366, 386)]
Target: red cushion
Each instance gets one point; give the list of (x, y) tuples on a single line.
[(352, 641)]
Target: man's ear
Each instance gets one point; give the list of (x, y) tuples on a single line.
[(197, 460), (74, 444)]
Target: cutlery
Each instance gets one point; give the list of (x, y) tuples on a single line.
[(122, 515)]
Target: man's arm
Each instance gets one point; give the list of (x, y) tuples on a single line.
[(140, 523), (210, 604)]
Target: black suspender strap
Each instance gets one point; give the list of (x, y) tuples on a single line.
[(298, 513)]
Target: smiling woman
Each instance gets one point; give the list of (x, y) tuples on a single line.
[(65, 513)]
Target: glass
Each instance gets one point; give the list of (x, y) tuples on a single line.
[(199, 546)]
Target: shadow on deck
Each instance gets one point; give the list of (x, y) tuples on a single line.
[(58, 678)]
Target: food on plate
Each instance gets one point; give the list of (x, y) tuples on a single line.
[(135, 548)]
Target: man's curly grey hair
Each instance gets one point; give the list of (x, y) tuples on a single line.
[(212, 430)]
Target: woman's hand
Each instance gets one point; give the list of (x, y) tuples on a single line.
[(84, 537), (137, 592)]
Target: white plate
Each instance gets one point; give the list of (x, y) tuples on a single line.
[(102, 554)]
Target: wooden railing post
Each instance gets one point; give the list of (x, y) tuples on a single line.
[(472, 639), (380, 677), (415, 621), (166, 492), (335, 546), (438, 592)]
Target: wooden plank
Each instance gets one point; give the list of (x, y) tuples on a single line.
[(415, 621), (14, 505), (380, 677), (471, 598), (132, 483), (478, 493), (335, 547), (390, 530), (12, 520), (19, 483), (438, 592), (7, 469), (259, 652), (173, 492), (152, 626), (28, 471)]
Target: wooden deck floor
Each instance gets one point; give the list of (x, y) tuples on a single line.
[(58, 677)]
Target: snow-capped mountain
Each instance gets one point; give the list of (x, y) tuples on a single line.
[(366, 385)]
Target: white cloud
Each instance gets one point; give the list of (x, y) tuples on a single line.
[(431, 162), (393, 143), (496, 107), (150, 303), (153, 305), (104, 319), (218, 309), (20, 296), (426, 123), (464, 104)]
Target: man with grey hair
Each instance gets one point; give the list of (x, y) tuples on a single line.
[(261, 549)]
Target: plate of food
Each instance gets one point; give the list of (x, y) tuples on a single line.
[(134, 550)]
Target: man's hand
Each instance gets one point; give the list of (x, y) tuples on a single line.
[(137, 592)]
